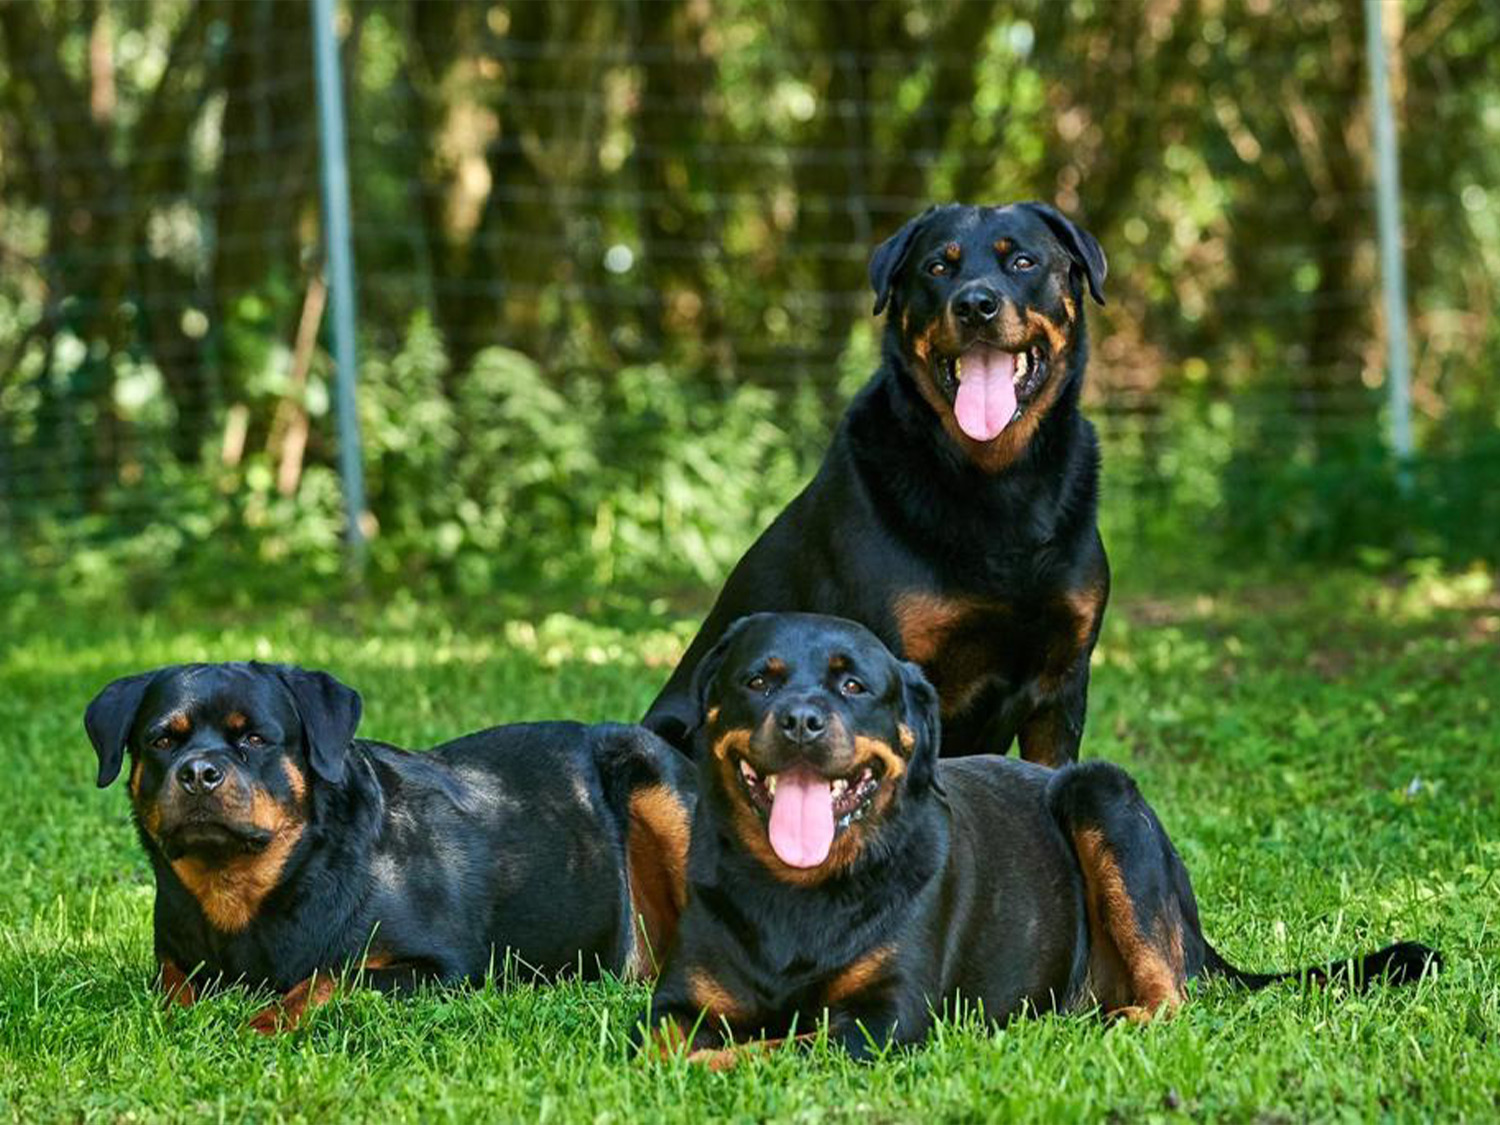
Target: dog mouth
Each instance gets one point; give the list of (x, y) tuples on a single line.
[(806, 811), (202, 835), (991, 387)]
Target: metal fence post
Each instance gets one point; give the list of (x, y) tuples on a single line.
[(340, 257), (1392, 253)]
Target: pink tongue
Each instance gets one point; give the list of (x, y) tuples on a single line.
[(802, 817), (986, 399)]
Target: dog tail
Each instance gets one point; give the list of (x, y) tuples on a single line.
[(1403, 963)]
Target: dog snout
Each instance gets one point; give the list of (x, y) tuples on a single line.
[(976, 304), (200, 775), (802, 722)]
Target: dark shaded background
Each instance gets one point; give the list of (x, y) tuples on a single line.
[(611, 274)]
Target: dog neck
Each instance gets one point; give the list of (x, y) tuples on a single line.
[(781, 923), (1045, 494), (234, 895)]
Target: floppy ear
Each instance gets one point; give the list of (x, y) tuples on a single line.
[(708, 668), (109, 718), (922, 715), (330, 714), (888, 258), (1082, 247)]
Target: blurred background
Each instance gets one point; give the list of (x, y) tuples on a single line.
[(610, 263)]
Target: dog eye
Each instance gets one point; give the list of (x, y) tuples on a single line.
[(853, 687), (756, 683), (254, 740), (938, 269), (1022, 263), (162, 743)]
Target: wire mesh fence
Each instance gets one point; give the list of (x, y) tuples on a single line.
[(611, 260)]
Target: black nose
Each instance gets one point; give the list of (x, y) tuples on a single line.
[(976, 305), (199, 776), (802, 722)]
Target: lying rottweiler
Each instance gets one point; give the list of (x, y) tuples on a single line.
[(283, 847), (837, 867), (954, 514)]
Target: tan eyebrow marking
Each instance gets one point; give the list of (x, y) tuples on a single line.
[(179, 724), (236, 720), (1003, 246), (953, 251), (776, 666)]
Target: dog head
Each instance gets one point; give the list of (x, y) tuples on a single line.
[(220, 757), (813, 736), (986, 314)]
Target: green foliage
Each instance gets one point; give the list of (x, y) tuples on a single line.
[(611, 273), (646, 477), (1318, 750)]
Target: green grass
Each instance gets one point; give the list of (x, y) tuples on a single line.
[(1326, 756)]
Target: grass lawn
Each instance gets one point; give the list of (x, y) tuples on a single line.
[(1326, 756)]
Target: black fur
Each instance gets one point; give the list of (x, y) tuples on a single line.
[(964, 883), (433, 866), (906, 506)]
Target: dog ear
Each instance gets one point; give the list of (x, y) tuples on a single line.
[(922, 715), (330, 714), (888, 258), (1081, 246), (109, 718), (708, 671)]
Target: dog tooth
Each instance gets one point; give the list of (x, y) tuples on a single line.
[(771, 785), (958, 367)]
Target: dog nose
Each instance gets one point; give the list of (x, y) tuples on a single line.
[(976, 305), (802, 722), (199, 776)]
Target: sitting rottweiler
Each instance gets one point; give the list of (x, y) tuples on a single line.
[(838, 867), (954, 515), (283, 847)]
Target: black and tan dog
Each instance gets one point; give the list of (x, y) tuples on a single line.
[(837, 867), (283, 847), (954, 514)]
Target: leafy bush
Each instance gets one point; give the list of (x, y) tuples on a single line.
[(505, 481)]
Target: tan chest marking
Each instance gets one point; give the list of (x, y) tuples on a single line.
[(230, 893)]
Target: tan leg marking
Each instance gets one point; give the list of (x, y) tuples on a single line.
[(1131, 973), (727, 1058), (936, 633), (177, 990), (288, 1013), (656, 848), (858, 975), (712, 998)]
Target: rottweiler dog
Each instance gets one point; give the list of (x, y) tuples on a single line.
[(838, 867), (287, 852), (954, 514)]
